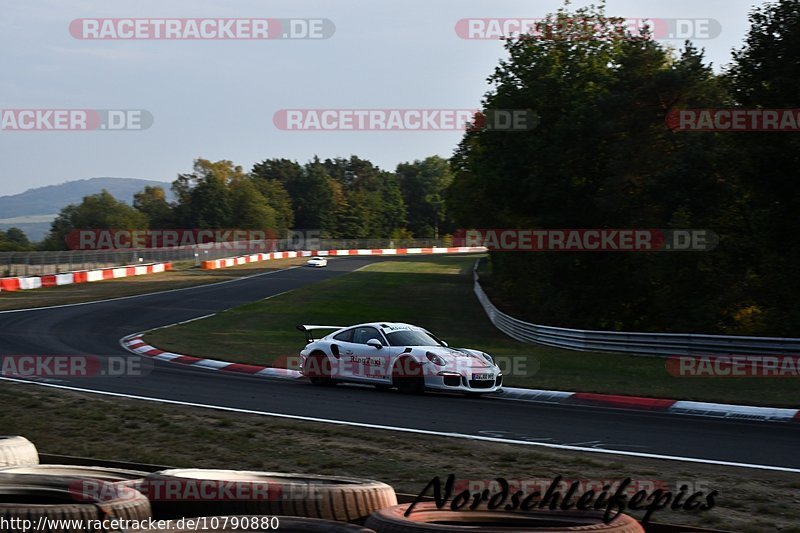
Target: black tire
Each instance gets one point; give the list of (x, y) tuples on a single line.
[(305, 495), (319, 369), (17, 451), (34, 497), (407, 376), (426, 518), (287, 524), (129, 478)]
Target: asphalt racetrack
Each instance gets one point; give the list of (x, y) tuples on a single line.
[(96, 329)]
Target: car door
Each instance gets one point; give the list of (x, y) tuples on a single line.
[(350, 349), (367, 362), (343, 350)]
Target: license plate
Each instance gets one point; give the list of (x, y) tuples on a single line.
[(482, 377)]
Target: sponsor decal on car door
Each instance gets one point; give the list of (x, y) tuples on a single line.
[(368, 362)]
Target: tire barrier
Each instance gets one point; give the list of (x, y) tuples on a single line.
[(427, 518), (45, 495), (49, 500), (128, 478), (16, 450), (233, 492)]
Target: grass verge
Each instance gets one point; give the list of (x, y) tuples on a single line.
[(436, 293), (80, 424), (115, 288)]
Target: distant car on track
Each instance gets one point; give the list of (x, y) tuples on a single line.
[(393, 354), (317, 262)]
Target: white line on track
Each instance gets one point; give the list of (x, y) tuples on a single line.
[(194, 287), (165, 326), (417, 431)]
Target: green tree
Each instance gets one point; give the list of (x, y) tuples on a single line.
[(209, 206), (14, 240), (282, 170), (371, 204), (279, 200), (601, 157), (249, 208), (97, 211), (152, 201), (424, 186), (309, 193), (766, 74)]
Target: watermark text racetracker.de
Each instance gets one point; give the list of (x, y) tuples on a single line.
[(505, 120), (74, 366), (587, 240), (218, 239), (380, 367), (201, 29), (180, 489), (734, 366), (75, 119), (734, 120), (587, 28)]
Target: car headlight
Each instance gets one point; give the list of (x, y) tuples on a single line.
[(435, 359), (488, 357)]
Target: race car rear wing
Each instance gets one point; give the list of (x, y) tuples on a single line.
[(309, 330)]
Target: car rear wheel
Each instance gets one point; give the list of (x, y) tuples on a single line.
[(319, 369)]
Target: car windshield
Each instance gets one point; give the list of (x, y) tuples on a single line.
[(411, 337)]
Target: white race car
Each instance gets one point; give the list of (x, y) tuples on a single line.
[(317, 262), (392, 354)]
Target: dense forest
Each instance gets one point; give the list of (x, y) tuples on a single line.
[(340, 198), (603, 156)]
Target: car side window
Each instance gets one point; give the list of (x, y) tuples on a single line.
[(362, 335), (345, 336)]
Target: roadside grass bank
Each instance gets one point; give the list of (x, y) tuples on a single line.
[(436, 293), (87, 425), (184, 275)]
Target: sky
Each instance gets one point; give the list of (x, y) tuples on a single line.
[(216, 99)]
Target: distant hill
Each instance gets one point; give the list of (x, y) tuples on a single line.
[(33, 210)]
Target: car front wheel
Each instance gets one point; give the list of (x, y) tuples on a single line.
[(407, 376)]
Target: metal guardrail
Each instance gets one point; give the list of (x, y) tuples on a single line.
[(652, 344)]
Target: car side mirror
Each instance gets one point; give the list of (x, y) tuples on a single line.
[(375, 343)]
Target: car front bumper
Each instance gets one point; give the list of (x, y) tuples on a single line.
[(454, 382)]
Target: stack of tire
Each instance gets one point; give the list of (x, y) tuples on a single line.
[(426, 518), (33, 492), (297, 502), (304, 503)]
